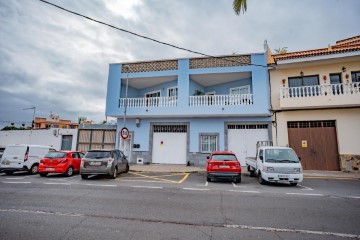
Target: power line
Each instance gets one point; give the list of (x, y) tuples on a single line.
[(145, 37)]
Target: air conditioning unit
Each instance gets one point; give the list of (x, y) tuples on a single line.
[(140, 160), (56, 132)]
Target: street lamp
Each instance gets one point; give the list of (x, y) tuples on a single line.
[(34, 108), (127, 67)]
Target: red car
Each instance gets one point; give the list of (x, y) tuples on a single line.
[(65, 162), (223, 165)]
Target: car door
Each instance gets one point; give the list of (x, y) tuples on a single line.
[(122, 160), (76, 161)]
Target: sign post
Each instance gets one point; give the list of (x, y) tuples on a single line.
[(124, 133)]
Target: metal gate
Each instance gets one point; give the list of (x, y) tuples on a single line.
[(96, 139), (316, 143)]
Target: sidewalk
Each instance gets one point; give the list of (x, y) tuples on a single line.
[(163, 168)]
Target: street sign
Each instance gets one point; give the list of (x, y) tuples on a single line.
[(124, 133)]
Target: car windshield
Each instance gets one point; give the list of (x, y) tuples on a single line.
[(223, 157), (55, 155), (100, 154), (281, 156)]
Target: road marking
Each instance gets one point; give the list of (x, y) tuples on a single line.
[(354, 197), (244, 191), (57, 183), (145, 187), (42, 212), (196, 189), (333, 178), (125, 180), (184, 178), (306, 188), (20, 178), (159, 179), (236, 186), (57, 180), (203, 185), (306, 194), (16, 182), (101, 185), (270, 229)]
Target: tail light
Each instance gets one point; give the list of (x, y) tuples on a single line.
[(42, 161), (26, 154)]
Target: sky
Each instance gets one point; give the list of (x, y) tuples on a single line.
[(59, 62)]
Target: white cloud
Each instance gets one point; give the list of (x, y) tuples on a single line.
[(127, 8)]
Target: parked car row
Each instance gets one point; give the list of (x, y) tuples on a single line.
[(44, 160)]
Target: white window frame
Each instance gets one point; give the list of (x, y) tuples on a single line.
[(208, 144), (170, 88), (242, 87), (157, 91)]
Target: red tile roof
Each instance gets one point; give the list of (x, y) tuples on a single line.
[(346, 45)]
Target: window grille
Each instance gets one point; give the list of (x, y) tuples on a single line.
[(248, 126), (170, 128)]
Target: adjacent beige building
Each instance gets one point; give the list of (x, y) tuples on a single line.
[(315, 99)]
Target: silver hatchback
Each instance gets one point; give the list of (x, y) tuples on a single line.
[(109, 162)]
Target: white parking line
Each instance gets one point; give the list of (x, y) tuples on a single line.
[(240, 191), (15, 178), (306, 194), (145, 187), (203, 185), (354, 197), (57, 180), (57, 183), (236, 186), (101, 185), (196, 189), (306, 188), (15, 182)]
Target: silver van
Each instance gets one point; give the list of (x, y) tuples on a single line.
[(109, 162), (20, 157)]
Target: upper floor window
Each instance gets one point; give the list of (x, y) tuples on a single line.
[(335, 81), (303, 81), (240, 90), (355, 76)]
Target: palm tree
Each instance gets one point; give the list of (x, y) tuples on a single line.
[(282, 50), (239, 5)]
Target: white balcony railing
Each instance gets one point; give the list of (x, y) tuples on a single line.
[(148, 102), (320, 90), (221, 100)]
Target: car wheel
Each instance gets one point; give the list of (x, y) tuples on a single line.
[(127, 168), (293, 184), (252, 173), (208, 179), (9, 172), (43, 174), (34, 169), (84, 176), (114, 175), (69, 172), (237, 180), (261, 180)]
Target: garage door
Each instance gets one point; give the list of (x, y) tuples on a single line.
[(242, 139), (315, 142), (169, 144)]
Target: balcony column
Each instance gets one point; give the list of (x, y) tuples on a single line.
[(183, 83)]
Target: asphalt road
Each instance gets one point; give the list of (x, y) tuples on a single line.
[(176, 206)]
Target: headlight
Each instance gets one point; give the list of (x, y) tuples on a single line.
[(269, 169), (297, 170)]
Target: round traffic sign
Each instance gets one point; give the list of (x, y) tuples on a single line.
[(124, 133)]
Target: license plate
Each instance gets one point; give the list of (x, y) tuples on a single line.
[(49, 169), (95, 163), (224, 166), (284, 176)]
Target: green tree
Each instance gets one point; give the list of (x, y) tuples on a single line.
[(239, 5), (282, 50)]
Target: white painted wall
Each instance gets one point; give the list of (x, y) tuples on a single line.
[(38, 137), (347, 126)]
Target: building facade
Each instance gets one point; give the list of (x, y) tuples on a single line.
[(315, 98), (178, 111), (54, 122)]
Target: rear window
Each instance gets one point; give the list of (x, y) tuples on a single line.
[(223, 157), (15, 150), (55, 155), (101, 154)]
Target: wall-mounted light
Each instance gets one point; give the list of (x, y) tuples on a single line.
[(138, 122), (324, 78), (343, 69), (283, 82), (302, 73), (347, 77)]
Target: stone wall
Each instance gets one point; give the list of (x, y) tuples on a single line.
[(350, 163)]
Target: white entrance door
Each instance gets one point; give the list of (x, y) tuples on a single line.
[(243, 142), (125, 146), (169, 148)]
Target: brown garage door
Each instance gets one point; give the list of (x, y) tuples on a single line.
[(315, 142)]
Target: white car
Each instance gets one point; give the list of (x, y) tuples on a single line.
[(20, 157)]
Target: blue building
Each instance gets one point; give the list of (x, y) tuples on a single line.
[(178, 111)]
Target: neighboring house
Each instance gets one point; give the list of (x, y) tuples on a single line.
[(55, 122), (60, 139), (178, 111), (315, 97)]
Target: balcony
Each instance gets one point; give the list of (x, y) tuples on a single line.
[(148, 102), (221, 100), (320, 96)]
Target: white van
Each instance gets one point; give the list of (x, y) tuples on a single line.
[(20, 157)]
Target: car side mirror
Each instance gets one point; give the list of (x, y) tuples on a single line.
[(261, 158), (207, 157), (299, 159)]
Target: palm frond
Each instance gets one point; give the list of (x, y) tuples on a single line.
[(239, 5)]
